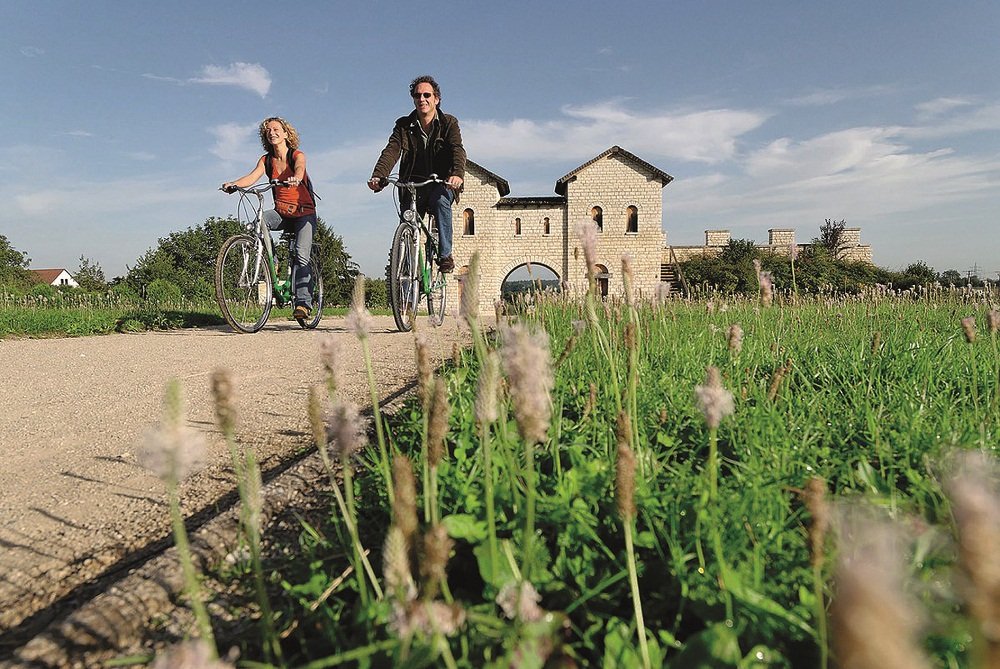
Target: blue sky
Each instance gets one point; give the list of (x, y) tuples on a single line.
[(122, 118)]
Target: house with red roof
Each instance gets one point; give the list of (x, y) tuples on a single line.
[(55, 277)]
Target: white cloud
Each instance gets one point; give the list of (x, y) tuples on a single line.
[(234, 141), (251, 76), (707, 136), (31, 51), (831, 96), (940, 106), (967, 119)]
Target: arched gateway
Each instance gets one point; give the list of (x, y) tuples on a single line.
[(513, 231)]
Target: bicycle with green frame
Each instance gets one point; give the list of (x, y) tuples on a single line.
[(248, 282), (413, 275)]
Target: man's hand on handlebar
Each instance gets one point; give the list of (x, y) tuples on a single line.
[(377, 184), (454, 182)]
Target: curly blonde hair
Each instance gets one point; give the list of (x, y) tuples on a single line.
[(293, 134)]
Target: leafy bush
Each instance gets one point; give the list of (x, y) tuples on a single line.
[(162, 291)]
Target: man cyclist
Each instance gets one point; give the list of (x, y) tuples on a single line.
[(427, 141)]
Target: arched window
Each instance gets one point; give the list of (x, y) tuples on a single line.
[(517, 226), (631, 220), (597, 214), (546, 228), (469, 221)]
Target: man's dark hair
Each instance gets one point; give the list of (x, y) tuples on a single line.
[(425, 79)]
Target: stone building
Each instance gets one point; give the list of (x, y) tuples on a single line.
[(617, 190)]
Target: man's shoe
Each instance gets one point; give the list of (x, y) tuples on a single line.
[(301, 313), (446, 264)]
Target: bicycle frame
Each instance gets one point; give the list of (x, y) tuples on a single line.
[(282, 288), (411, 281)]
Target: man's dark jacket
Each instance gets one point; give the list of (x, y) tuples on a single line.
[(445, 145)]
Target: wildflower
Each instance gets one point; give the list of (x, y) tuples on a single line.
[(766, 288), (425, 373), (815, 499), (396, 566), (427, 618), (663, 290), (195, 654), (347, 429), (172, 451), (498, 309), (993, 320), (316, 422), (629, 277), (975, 502), (329, 356), (486, 391), (404, 504), (586, 230), (714, 401), (222, 392), (527, 364), (625, 471), (735, 338), (969, 328), (874, 625), (777, 378), (437, 430), (793, 251), (468, 308), (359, 318), (519, 601), (437, 549)]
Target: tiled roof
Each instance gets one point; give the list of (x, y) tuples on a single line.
[(615, 150), (502, 186), (48, 275), (528, 201)]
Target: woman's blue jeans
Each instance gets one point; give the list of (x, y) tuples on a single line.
[(301, 246)]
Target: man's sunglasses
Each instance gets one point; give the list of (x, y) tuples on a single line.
[(426, 96)]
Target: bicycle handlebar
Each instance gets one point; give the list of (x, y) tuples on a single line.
[(256, 189), (411, 184)]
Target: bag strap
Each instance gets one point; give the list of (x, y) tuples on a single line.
[(288, 161)]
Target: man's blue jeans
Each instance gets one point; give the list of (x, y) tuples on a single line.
[(301, 246), (440, 199)]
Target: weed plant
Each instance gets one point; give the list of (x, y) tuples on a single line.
[(652, 485)]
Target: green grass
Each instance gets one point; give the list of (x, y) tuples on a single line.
[(873, 399)]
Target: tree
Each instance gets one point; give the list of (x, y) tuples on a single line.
[(13, 266), (951, 276), (831, 237), (339, 271), (187, 260), (90, 276)]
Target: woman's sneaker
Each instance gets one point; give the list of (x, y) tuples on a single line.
[(301, 313), (446, 264)]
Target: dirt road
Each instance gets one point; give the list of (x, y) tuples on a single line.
[(75, 506)]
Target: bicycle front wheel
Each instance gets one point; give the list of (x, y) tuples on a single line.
[(316, 308), (243, 283), (437, 298), (403, 278)]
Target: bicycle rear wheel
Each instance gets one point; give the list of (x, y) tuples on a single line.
[(316, 308), (403, 279), (243, 284)]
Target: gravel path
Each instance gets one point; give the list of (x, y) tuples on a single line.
[(77, 511)]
